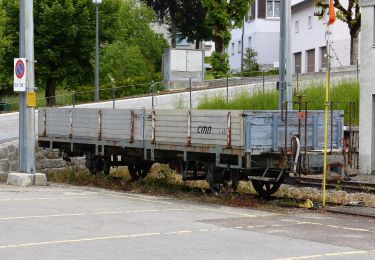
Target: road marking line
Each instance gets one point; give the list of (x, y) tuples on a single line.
[(238, 227), (89, 239), (141, 199), (327, 255), (51, 198), (92, 213), (260, 226), (356, 229), (228, 212), (347, 253)]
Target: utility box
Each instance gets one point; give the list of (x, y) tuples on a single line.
[(180, 66)]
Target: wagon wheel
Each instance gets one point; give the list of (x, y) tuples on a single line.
[(106, 166), (94, 164), (138, 171), (266, 188), (223, 181)]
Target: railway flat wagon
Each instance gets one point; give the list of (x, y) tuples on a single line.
[(222, 147)]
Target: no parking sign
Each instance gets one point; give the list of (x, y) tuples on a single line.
[(19, 75)]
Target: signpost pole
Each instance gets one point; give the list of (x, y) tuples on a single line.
[(30, 85), (22, 96)]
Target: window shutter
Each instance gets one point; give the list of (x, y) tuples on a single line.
[(261, 8)]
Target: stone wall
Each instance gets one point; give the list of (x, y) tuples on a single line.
[(9, 157), (46, 160)]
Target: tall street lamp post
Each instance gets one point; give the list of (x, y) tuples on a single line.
[(97, 3)]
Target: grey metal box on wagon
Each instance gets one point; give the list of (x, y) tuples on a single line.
[(265, 130)]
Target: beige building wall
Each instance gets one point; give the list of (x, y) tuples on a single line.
[(367, 89)]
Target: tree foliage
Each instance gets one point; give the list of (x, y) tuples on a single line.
[(224, 15), (220, 64), (167, 11), (250, 60), (192, 23), (65, 36), (350, 15)]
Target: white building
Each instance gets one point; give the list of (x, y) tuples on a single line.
[(207, 46), (261, 33), (367, 91), (309, 42)]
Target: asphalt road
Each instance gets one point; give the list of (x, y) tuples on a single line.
[(63, 222)]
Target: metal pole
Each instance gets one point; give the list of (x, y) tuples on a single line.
[(97, 56), (242, 45), (152, 95), (288, 55), (297, 71), (263, 79), (282, 55), (73, 99), (113, 97), (22, 95), (227, 88), (190, 91), (30, 85)]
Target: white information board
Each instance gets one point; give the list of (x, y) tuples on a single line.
[(19, 84)]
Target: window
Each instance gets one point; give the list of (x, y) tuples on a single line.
[(309, 22), (296, 26), (232, 48), (239, 47), (273, 8), (310, 60), (249, 43)]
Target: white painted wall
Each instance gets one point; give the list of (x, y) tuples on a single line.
[(314, 37), (367, 90), (264, 35)]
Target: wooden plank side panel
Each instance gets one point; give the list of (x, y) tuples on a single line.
[(116, 124), (86, 123)]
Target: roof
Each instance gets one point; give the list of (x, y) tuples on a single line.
[(301, 3)]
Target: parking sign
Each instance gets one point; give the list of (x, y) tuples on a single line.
[(19, 75)]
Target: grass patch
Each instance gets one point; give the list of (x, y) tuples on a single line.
[(341, 95)]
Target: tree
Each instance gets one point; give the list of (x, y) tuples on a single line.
[(192, 23), (224, 15), (166, 11), (135, 30), (250, 60), (65, 35), (351, 16), (121, 61)]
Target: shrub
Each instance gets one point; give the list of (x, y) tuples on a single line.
[(220, 64), (250, 61)]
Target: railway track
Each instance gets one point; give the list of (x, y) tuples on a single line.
[(348, 186)]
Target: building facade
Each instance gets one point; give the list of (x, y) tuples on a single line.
[(308, 37), (308, 42), (261, 33), (367, 90)]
